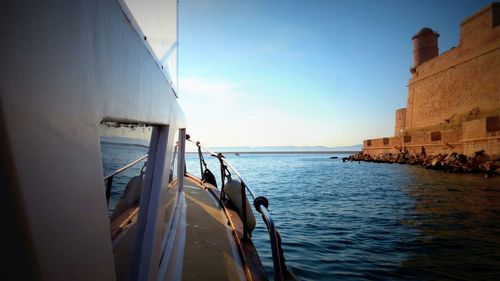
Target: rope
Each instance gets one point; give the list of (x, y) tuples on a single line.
[(224, 173), (200, 154)]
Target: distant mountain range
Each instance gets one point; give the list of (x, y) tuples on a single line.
[(288, 148), (243, 149)]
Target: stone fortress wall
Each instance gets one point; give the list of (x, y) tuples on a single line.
[(454, 98)]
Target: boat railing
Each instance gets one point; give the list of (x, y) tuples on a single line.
[(108, 180), (260, 203)]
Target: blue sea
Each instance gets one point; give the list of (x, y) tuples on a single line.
[(371, 221)]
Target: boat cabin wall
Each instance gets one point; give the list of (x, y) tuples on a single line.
[(67, 66)]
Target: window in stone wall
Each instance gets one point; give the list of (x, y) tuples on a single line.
[(407, 138), (369, 142), (495, 16), (435, 136), (386, 141), (492, 124)]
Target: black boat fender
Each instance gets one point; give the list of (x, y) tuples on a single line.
[(209, 177)]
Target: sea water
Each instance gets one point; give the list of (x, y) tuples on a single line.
[(369, 221), (114, 157)]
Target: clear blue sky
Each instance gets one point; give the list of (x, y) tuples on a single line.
[(254, 73)]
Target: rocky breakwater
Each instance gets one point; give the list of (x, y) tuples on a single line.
[(478, 162)]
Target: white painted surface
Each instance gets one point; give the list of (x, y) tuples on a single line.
[(150, 257), (144, 204), (156, 21), (65, 66)]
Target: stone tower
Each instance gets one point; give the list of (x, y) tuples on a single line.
[(425, 47)]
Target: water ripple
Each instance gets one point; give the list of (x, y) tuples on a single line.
[(366, 221)]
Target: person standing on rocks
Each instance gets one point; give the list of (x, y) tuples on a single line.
[(423, 154)]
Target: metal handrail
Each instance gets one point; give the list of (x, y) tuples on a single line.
[(261, 204), (126, 167), (274, 240), (109, 178)]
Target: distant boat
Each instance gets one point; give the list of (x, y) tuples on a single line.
[(333, 157), (237, 154)]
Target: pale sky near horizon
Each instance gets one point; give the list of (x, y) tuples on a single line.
[(330, 73)]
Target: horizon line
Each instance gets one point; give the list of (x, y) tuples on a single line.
[(284, 152)]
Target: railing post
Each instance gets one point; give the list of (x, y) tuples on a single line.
[(202, 175), (222, 172), (109, 185), (244, 207)]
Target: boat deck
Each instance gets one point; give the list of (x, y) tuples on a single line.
[(204, 246), (210, 252)]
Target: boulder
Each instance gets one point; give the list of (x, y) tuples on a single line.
[(453, 162), (461, 158), (451, 157), (436, 163), (487, 166), (479, 157)]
